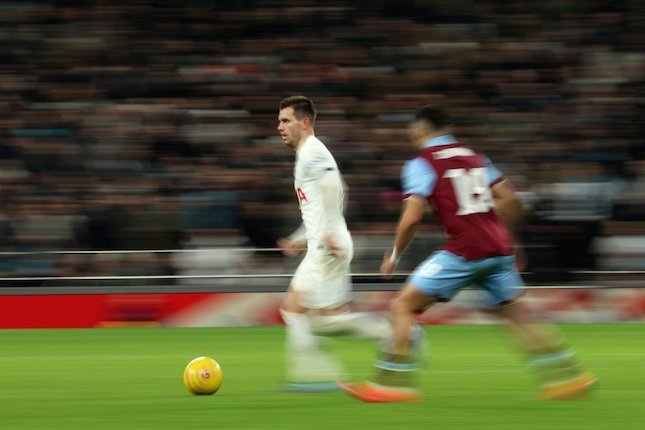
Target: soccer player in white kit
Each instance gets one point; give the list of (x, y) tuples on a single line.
[(318, 299)]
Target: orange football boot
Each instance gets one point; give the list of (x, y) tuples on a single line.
[(374, 393), (575, 388)]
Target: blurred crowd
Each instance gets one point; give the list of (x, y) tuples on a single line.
[(147, 124)]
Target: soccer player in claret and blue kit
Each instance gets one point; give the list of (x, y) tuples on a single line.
[(480, 212)]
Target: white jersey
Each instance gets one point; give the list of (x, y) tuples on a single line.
[(313, 162)]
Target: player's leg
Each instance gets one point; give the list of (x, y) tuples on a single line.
[(309, 366), (298, 327), (368, 325), (396, 368), (402, 357), (333, 315), (404, 311), (437, 279), (552, 359), (333, 319)]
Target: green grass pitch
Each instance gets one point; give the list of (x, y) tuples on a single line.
[(131, 378)]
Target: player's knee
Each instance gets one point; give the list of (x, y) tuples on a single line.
[(400, 306), (411, 303), (291, 306), (293, 302)]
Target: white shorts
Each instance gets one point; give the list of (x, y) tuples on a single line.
[(324, 279)]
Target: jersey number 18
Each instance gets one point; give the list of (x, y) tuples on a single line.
[(471, 190)]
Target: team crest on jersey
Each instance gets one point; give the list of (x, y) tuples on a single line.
[(302, 197)]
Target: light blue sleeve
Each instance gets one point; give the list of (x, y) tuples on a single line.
[(492, 173), (418, 177)]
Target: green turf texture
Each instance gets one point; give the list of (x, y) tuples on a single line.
[(131, 378)]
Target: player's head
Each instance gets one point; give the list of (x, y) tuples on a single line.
[(429, 121), (296, 120)]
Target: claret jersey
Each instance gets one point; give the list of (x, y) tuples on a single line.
[(457, 183)]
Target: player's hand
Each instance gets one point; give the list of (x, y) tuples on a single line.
[(290, 248), (388, 265), (333, 247)]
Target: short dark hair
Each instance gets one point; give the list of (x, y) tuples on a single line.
[(434, 116), (302, 106)]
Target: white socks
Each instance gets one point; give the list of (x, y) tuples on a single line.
[(360, 324), (306, 361), (299, 333)]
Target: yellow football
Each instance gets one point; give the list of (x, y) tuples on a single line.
[(203, 375)]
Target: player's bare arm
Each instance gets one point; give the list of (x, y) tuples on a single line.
[(411, 216), (507, 208)]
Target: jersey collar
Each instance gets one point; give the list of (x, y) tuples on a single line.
[(446, 139), (307, 140)]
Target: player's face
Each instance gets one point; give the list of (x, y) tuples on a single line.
[(290, 127), (417, 131)]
